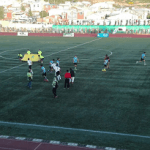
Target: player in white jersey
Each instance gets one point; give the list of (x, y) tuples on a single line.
[(57, 72)]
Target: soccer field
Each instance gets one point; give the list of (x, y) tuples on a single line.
[(113, 106)]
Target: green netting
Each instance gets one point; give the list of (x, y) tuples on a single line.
[(100, 28)]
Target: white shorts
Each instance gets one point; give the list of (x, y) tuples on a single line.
[(72, 79)]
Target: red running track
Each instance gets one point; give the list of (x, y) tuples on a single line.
[(11, 144)]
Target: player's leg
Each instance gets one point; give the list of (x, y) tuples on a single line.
[(104, 69), (139, 61), (72, 80), (65, 83), (144, 62), (75, 66)]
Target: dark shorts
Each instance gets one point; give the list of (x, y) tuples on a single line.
[(75, 63), (58, 73), (29, 66), (44, 74), (142, 59), (105, 65)]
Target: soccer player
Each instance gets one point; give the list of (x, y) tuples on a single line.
[(75, 61), (41, 59), (57, 72), (29, 77), (67, 77), (58, 62), (50, 65), (20, 56), (29, 63), (107, 57), (28, 52), (44, 73), (31, 71), (142, 58), (105, 64), (39, 52), (72, 76), (55, 86)]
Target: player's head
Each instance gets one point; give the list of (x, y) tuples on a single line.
[(75, 56), (67, 71), (28, 58), (106, 55), (29, 70), (41, 65), (144, 52), (27, 49), (53, 59), (57, 58), (70, 69), (39, 49)]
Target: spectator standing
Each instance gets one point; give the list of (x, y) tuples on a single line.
[(72, 76), (67, 77), (55, 86), (29, 63)]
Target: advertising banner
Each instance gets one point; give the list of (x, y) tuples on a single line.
[(103, 35), (22, 33), (68, 34)]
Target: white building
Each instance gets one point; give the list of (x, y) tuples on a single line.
[(7, 2), (37, 5), (98, 6)]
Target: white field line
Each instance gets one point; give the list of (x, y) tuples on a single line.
[(7, 79), (12, 50), (38, 146), (11, 68), (73, 129), (72, 47), (50, 54)]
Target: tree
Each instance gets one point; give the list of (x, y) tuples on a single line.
[(23, 8), (43, 14), (30, 13), (1, 12)]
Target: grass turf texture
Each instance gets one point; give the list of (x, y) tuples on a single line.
[(115, 101)]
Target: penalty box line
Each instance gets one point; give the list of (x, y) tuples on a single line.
[(73, 129)]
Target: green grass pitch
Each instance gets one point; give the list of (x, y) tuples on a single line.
[(117, 100)]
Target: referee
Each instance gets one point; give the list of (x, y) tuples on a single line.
[(67, 77)]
